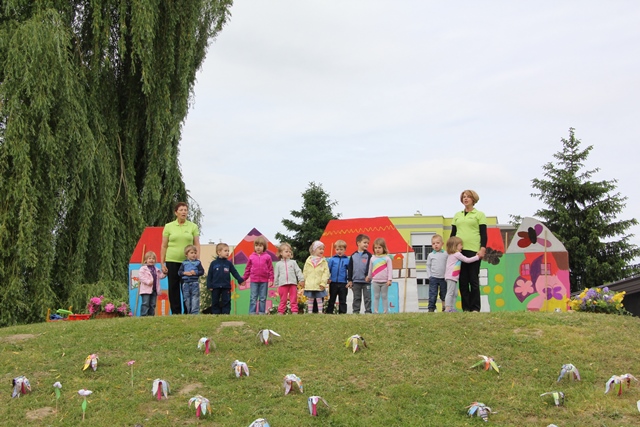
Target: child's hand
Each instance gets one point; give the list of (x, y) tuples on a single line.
[(301, 285), (388, 282), (367, 279), (269, 284), (322, 288), (349, 285)]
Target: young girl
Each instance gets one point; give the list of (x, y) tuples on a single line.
[(149, 277), (287, 277), (452, 272), (259, 271), (316, 273), (380, 273)]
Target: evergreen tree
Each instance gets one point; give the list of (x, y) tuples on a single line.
[(93, 94), (316, 212), (582, 214)]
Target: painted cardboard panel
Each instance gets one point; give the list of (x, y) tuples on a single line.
[(150, 240)]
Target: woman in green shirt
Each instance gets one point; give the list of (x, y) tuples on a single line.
[(176, 236)]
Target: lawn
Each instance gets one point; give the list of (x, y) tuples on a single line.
[(415, 372)]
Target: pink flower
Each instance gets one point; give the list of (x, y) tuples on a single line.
[(122, 308), (131, 362), (523, 287), (109, 308), (96, 300)]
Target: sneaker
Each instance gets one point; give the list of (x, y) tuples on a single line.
[(451, 310)]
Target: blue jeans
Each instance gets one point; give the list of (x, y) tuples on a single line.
[(258, 292), (148, 304), (436, 283), (191, 295)]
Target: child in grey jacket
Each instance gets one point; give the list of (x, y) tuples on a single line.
[(287, 277)]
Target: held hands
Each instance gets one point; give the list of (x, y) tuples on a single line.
[(481, 252), (367, 279), (349, 285), (165, 270)]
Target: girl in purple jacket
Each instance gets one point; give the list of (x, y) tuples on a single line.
[(259, 272)]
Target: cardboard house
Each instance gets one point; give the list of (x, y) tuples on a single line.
[(150, 240)]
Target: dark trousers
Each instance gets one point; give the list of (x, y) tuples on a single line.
[(340, 291), (221, 301), (175, 298), (470, 283)]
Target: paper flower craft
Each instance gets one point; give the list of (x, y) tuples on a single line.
[(240, 367), (91, 360), (56, 388), (354, 341), (488, 363), (84, 393), (160, 388), (289, 380), (260, 422), (204, 344), (21, 386), (313, 404), (617, 381), (264, 335), (571, 370), (201, 404), (130, 363), (480, 410), (558, 397)]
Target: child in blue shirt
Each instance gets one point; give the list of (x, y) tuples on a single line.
[(190, 271), (338, 266)]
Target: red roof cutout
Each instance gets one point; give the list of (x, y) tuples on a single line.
[(151, 240), (348, 230), (244, 249)]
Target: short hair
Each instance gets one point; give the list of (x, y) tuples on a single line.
[(220, 246), (452, 244), (190, 248), (282, 247), (262, 241), (436, 236), (179, 205), (150, 253), (381, 242), (340, 244), (470, 193), (361, 237)]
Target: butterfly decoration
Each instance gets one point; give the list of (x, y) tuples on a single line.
[(554, 293), (532, 236)]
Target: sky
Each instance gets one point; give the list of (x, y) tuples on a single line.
[(397, 107)]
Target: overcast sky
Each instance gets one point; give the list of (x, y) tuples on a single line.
[(399, 106)]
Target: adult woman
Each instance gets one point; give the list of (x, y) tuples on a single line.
[(176, 236), (471, 226)]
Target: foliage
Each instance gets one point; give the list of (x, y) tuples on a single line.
[(101, 304), (92, 98), (415, 371), (312, 219), (582, 214), (599, 300)]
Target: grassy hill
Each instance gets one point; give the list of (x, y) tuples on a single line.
[(414, 373)]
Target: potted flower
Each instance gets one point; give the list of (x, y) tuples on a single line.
[(101, 307)]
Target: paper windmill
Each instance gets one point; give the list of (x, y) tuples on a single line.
[(240, 367), (480, 410), (558, 397), (260, 422), (201, 404), (160, 388), (571, 370), (21, 386), (488, 363), (84, 393), (618, 380), (354, 341), (313, 404), (289, 380), (204, 344), (91, 360), (264, 335)]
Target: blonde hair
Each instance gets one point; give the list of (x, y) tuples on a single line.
[(452, 244), (436, 236), (148, 254), (315, 245), (260, 240), (472, 194), (190, 248), (382, 243), (220, 246), (340, 244), (282, 247)]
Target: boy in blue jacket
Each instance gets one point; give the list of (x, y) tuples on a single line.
[(219, 280), (338, 265), (190, 271)]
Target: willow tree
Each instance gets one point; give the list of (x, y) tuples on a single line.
[(92, 98)]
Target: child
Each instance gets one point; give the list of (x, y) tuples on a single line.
[(338, 280), (436, 267), (259, 272), (316, 273), (452, 273), (380, 274), (287, 277), (219, 280), (357, 278), (190, 271), (149, 277)]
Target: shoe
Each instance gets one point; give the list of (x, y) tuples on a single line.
[(451, 310), (431, 310)]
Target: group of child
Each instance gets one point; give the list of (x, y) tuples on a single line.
[(336, 275)]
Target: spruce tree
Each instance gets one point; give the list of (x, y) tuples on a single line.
[(582, 214)]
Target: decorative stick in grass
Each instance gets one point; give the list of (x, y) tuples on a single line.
[(201, 404), (204, 344), (260, 422), (617, 381), (558, 397), (240, 367), (84, 393), (21, 386), (130, 363), (354, 342), (91, 360), (263, 334), (479, 410), (488, 363), (568, 368), (313, 404), (288, 382), (160, 388), (56, 388)]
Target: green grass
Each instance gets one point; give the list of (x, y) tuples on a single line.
[(414, 373)]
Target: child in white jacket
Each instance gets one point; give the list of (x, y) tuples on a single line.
[(287, 277)]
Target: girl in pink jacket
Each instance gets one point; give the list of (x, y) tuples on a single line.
[(149, 277), (259, 272)]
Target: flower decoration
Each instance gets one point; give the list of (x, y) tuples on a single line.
[(201, 404), (160, 388), (260, 422), (21, 386), (84, 393), (599, 300), (91, 360), (130, 363), (56, 388), (107, 305)]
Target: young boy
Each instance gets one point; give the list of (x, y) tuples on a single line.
[(219, 280), (436, 266), (338, 265), (357, 278), (190, 270)]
